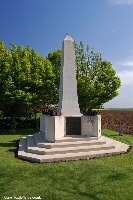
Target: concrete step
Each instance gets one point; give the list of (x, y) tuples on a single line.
[(71, 143), (31, 142), (29, 151), (73, 156), (38, 138), (23, 144), (70, 138), (29, 157), (66, 150)]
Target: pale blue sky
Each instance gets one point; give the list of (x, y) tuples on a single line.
[(106, 25)]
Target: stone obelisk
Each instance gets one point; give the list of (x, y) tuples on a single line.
[(68, 98)]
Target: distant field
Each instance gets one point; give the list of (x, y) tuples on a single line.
[(121, 108), (118, 120), (116, 109)]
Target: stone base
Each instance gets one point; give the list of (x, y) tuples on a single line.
[(53, 127), (56, 127), (91, 126)]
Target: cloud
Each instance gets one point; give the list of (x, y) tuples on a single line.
[(126, 77), (121, 2), (128, 63)]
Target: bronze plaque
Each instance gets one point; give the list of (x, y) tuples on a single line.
[(73, 125)]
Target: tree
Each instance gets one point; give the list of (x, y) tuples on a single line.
[(97, 80), (55, 59), (26, 79)]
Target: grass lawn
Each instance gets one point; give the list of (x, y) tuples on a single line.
[(109, 178)]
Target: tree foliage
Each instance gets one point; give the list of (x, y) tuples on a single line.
[(55, 59), (26, 79), (97, 80)]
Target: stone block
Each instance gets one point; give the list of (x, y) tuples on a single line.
[(42, 123), (54, 128), (91, 126)]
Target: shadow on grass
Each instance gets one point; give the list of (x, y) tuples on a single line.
[(13, 143), (16, 147), (117, 176), (18, 132), (9, 144), (85, 194)]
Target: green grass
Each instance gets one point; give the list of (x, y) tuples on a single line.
[(109, 178)]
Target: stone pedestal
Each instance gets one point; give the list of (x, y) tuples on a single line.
[(91, 126), (53, 127)]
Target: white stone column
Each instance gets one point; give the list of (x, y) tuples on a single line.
[(68, 98)]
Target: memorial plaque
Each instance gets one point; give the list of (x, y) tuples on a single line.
[(73, 125)]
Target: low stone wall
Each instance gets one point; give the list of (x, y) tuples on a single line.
[(117, 120)]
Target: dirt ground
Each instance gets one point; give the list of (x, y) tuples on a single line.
[(117, 120)]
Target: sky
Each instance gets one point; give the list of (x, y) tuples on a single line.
[(106, 25)]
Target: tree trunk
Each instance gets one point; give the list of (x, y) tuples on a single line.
[(26, 116), (35, 114), (14, 125)]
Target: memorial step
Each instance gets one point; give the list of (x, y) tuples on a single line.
[(38, 138), (119, 149), (71, 138), (57, 152), (77, 149), (75, 143), (23, 144), (30, 141)]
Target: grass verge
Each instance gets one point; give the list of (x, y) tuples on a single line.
[(109, 178)]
